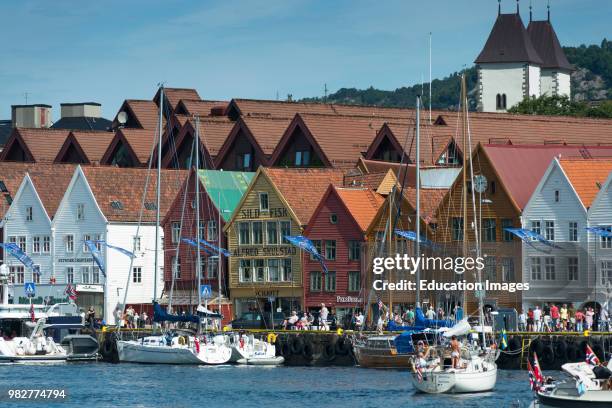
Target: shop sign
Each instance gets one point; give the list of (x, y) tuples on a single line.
[(265, 251), (256, 213), (348, 299), (89, 288), (75, 260)]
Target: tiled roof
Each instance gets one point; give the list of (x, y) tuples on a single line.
[(94, 144), (141, 141), (42, 175), (520, 167), (146, 112), (546, 43), (126, 185), (213, 132), (362, 203), (267, 132), (199, 107), (44, 144), (429, 203), (370, 180), (174, 95), (587, 176), (303, 188)]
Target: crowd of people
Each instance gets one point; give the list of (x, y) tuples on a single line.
[(552, 318), (130, 318)]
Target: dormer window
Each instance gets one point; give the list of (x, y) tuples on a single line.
[(556, 196), (80, 212), (263, 202), (28, 213)]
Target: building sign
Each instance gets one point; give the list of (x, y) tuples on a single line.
[(348, 299), (265, 251), (47, 300), (266, 293), (271, 213), (89, 288), (75, 260)]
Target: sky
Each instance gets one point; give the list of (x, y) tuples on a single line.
[(107, 51)]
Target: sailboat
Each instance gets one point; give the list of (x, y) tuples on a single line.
[(476, 371), (174, 347)]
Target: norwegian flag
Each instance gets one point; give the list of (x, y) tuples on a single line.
[(419, 372), (537, 371), (197, 345), (32, 316), (591, 357), (533, 383), (71, 292)]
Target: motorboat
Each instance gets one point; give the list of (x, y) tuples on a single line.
[(382, 351), (246, 349), (581, 389)]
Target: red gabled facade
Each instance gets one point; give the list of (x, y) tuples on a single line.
[(341, 217)]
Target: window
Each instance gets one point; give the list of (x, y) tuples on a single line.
[(98, 237), (137, 274), (245, 270), (302, 158), (46, 247), (211, 230), (18, 273), (86, 237), (506, 223), (573, 231), (285, 227), (490, 268), (354, 250), (606, 242), (273, 270), (202, 231), (36, 245), (95, 274), (489, 229), (315, 281), (212, 267), (20, 241), (271, 233), (508, 270), (243, 161), (70, 274), (176, 267), (401, 245), (36, 276), (317, 244), (176, 232), (259, 268), (333, 218), (85, 274), (244, 233), (286, 274), (504, 101), (492, 186), (257, 233), (457, 228), (572, 269), (556, 196), (28, 213), (80, 212), (263, 202), (606, 272), (137, 241), (330, 250), (536, 227), (69, 241), (536, 269), (498, 101), (354, 281), (330, 281), (549, 267), (549, 230)]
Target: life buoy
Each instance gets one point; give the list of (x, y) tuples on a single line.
[(339, 331), (272, 338)]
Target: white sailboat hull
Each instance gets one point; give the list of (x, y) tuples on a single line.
[(140, 352), (255, 352), (457, 381)]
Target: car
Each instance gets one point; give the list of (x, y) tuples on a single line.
[(257, 320)]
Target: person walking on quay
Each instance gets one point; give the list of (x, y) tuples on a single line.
[(563, 314), (530, 321), (588, 318), (144, 319), (604, 324), (522, 321), (136, 320), (555, 316), (430, 313), (537, 318), (579, 320), (359, 321), (323, 317), (91, 317)]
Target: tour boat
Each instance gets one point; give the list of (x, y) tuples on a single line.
[(381, 352), (252, 351)]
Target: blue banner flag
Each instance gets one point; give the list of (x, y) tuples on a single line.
[(97, 256), (527, 236), (215, 248), (195, 244), (116, 248), (306, 245), (605, 232), (411, 236), (15, 251)]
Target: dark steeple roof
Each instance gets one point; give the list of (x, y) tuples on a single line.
[(546, 43), (508, 42)]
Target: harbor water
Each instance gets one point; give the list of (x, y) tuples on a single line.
[(130, 385)]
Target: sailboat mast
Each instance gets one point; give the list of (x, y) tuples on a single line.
[(219, 259), (157, 199), (465, 161), (197, 208), (389, 249), (417, 246)]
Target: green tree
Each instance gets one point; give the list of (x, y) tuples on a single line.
[(561, 106)]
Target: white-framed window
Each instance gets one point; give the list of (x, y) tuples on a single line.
[(69, 244), (508, 269), (317, 243), (28, 213), (330, 281), (80, 212), (549, 230), (606, 271), (536, 227), (95, 274), (264, 205), (315, 281), (245, 272), (211, 230), (176, 232), (36, 244), (137, 274), (202, 231), (286, 271), (212, 267), (285, 228), (36, 276), (176, 267), (272, 233), (573, 231), (536, 268), (69, 274), (549, 268), (22, 243), (354, 281), (86, 237), (490, 268), (274, 270), (137, 241), (606, 242), (257, 229), (330, 250), (18, 274), (572, 268), (354, 250), (46, 244), (244, 233), (259, 270), (85, 276), (98, 238)]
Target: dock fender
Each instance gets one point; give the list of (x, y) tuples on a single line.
[(548, 356), (297, 345), (561, 351), (107, 346), (308, 352), (599, 351), (286, 347), (329, 351), (347, 345), (582, 349), (572, 352), (537, 347), (514, 345), (340, 346)]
